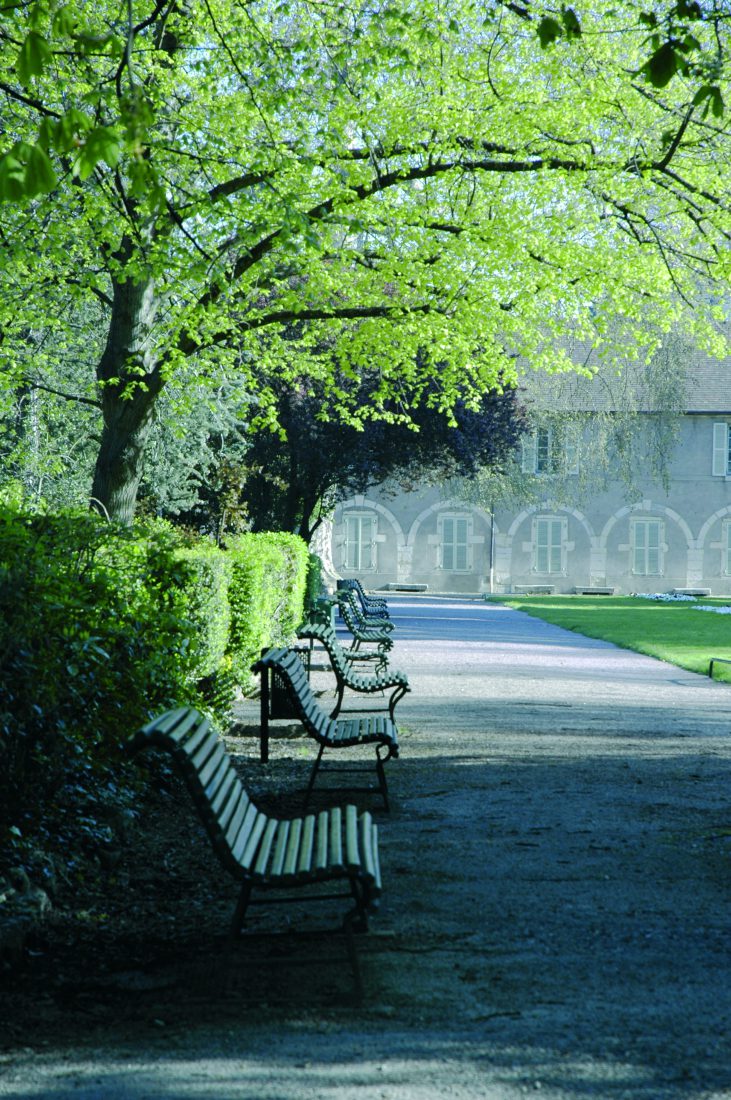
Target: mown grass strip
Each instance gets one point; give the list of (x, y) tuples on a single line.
[(673, 632)]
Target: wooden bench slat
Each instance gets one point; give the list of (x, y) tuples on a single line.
[(293, 848), (247, 845), (336, 838), (351, 837), (259, 850), (238, 828), (280, 848), (262, 856), (304, 859)]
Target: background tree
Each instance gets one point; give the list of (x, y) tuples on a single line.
[(435, 180), (293, 477)]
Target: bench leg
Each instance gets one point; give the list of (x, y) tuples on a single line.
[(242, 905), (381, 772), (313, 775)]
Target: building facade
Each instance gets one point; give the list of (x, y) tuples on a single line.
[(668, 536)]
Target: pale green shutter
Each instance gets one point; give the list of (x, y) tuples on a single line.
[(529, 453), (460, 548), (367, 543), (352, 533), (720, 450), (541, 546), (447, 543), (556, 533), (653, 547), (639, 532)]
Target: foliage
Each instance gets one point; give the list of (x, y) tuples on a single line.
[(673, 632), (313, 586), (620, 426), (295, 476), (267, 595), (391, 177), (94, 640), (206, 606)]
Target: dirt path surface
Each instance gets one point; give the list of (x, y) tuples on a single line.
[(555, 918)]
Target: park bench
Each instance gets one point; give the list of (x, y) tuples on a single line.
[(347, 676), (265, 853), (329, 733), (365, 635), (372, 606), (347, 598)]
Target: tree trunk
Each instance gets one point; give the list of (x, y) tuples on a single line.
[(130, 382)]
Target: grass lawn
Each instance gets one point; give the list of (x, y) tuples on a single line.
[(674, 632)]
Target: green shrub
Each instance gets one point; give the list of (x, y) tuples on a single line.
[(205, 593), (95, 637), (267, 593), (313, 589)]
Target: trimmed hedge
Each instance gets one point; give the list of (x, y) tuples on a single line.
[(267, 595), (94, 639), (102, 626)]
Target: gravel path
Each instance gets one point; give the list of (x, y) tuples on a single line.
[(555, 917)]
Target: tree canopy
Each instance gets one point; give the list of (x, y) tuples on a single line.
[(291, 479), (390, 177)]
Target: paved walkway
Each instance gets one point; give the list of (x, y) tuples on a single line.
[(557, 880)]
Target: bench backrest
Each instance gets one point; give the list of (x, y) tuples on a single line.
[(232, 821), (355, 622), (291, 672), (328, 638)]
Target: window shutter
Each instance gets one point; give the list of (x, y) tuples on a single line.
[(557, 536), (639, 545), (571, 451), (461, 544), (720, 450), (368, 543), (351, 543), (447, 543), (653, 548), (541, 546), (529, 453)]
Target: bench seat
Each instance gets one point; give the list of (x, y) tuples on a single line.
[(259, 851), (330, 733), (347, 676)]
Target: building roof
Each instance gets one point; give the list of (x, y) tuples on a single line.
[(691, 382)]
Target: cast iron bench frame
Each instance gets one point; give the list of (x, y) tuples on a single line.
[(265, 853), (346, 675), (372, 606), (330, 733)]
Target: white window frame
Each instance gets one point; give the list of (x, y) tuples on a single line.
[(360, 561), (541, 454), (554, 546), (726, 548), (721, 466), (641, 548), (449, 548)]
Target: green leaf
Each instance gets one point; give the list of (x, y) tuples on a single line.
[(102, 144), (549, 30), (35, 54), (12, 178), (711, 95), (688, 9), (64, 21), (572, 26), (40, 177), (662, 66)]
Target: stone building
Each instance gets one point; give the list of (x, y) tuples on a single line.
[(663, 535)]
